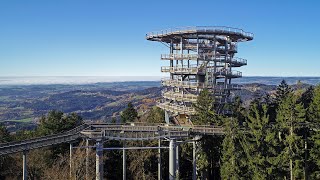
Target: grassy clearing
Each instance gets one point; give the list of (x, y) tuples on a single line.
[(26, 120)]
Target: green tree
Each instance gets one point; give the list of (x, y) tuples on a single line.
[(234, 162), (209, 154), (57, 121), (282, 91), (260, 142), (155, 115), (306, 97), (4, 134), (7, 163), (129, 114), (205, 112), (290, 116), (314, 119)]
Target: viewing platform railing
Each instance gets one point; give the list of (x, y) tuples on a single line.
[(185, 84), (183, 69), (235, 61), (202, 29), (180, 97), (227, 73), (180, 109)]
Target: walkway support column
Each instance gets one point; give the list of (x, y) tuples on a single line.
[(70, 161), (159, 162), (177, 161), (172, 159), (166, 117), (25, 171), (87, 159), (194, 162), (99, 163), (124, 163)]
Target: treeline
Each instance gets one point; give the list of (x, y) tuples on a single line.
[(277, 137)]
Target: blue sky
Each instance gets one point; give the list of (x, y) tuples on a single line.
[(107, 38)]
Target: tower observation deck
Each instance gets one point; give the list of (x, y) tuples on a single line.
[(199, 58)]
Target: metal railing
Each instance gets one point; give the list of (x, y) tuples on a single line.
[(185, 84), (132, 131), (18, 146), (176, 108), (180, 97), (202, 29), (227, 73), (228, 87), (236, 61), (179, 56), (183, 69)]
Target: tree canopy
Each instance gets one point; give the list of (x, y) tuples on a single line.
[(129, 114)]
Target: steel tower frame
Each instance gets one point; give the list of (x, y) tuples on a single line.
[(201, 57)]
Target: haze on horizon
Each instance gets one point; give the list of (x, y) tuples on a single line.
[(107, 38)]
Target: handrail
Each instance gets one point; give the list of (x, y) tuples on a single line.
[(180, 96), (201, 29), (18, 146), (188, 84), (205, 57), (182, 69), (229, 73), (176, 108)]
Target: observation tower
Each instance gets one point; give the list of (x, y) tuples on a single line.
[(201, 57)]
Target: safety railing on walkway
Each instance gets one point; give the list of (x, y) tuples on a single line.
[(219, 30)]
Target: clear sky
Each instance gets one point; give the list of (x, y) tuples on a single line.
[(107, 38)]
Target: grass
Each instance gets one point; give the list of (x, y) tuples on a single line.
[(26, 120)]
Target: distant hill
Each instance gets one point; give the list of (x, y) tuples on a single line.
[(22, 105)]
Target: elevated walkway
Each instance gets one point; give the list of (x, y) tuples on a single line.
[(129, 132), (134, 131), (40, 142)]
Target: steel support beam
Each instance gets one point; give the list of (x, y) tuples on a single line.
[(99, 163), (172, 159), (87, 159), (25, 170), (177, 161), (159, 161), (70, 161), (124, 163), (166, 117), (194, 161)]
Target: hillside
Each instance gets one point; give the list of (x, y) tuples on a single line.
[(21, 106)]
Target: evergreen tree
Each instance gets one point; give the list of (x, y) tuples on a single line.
[(314, 119), (156, 115), (209, 154), (260, 143), (282, 92), (306, 97), (271, 107), (204, 107), (234, 161), (4, 134), (7, 163), (290, 116), (129, 114), (57, 121)]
